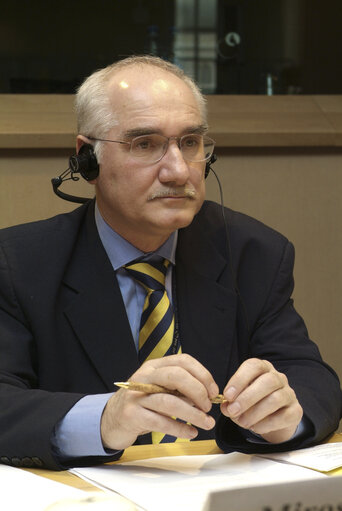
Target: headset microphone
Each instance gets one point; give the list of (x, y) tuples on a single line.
[(56, 183)]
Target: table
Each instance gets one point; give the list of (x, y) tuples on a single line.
[(140, 452)]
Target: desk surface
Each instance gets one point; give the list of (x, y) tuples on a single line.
[(139, 452)]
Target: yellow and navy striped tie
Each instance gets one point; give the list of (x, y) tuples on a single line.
[(157, 319)]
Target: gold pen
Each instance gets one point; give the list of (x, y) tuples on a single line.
[(151, 388)]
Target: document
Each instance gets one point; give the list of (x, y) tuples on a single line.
[(21, 490), (324, 457), (184, 482)]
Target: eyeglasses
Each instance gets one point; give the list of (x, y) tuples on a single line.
[(151, 148)]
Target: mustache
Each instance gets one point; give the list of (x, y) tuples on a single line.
[(173, 192)]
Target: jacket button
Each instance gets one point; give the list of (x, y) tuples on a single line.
[(16, 462), (26, 462), (5, 460), (37, 461)]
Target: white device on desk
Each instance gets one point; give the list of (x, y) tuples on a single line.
[(319, 494)]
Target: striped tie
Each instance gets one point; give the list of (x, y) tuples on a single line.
[(157, 322), (157, 319)]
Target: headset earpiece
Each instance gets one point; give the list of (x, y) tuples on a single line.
[(85, 162), (212, 160)]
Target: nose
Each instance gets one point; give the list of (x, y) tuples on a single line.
[(173, 167)]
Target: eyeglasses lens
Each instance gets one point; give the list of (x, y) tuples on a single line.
[(151, 148)]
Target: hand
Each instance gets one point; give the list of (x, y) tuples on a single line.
[(261, 400), (130, 413)]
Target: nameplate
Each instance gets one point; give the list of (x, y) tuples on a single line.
[(313, 495)]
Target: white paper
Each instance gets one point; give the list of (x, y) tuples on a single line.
[(21, 490), (183, 482), (321, 457)]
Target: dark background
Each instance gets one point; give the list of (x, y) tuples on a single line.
[(49, 46)]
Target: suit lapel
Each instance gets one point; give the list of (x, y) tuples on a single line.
[(96, 311), (206, 304)]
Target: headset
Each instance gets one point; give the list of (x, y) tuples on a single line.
[(86, 164)]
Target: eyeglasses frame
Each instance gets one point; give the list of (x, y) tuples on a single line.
[(177, 139)]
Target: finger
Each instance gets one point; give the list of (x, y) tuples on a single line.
[(280, 399), (164, 424), (263, 387), (281, 425), (177, 378), (248, 371), (172, 406), (191, 365), (182, 373)]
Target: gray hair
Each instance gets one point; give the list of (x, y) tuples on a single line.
[(94, 110)]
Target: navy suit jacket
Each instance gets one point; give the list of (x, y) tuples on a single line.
[(64, 332)]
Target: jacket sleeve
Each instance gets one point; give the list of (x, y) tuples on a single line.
[(28, 414)]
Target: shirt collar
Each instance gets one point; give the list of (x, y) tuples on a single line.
[(121, 252)]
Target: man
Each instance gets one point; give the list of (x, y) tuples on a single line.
[(70, 302)]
